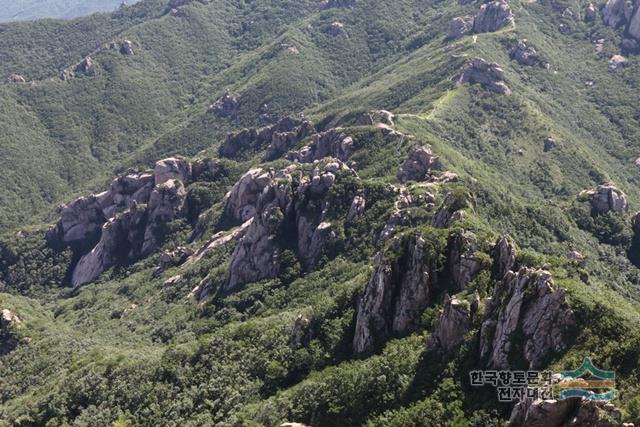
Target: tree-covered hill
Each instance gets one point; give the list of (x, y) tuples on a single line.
[(317, 212), (21, 10)]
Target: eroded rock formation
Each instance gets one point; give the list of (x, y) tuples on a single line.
[(397, 293), (452, 325), (572, 412), (607, 198), (490, 76), (527, 305), (332, 143), (493, 16), (225, 106), (419, 165)]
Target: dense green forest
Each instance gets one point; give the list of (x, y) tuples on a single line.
[(325, 213)]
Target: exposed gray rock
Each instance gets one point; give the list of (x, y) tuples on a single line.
[(542, 413), (608, 198), (8, 339), (241, 201), (283, 206), (172, 168), (493, 16), (526, 305), (126, 47), (590, 13), (16, 78), (332, 143), (165, 204), (377, 117), (446, 214), (524, 54), (419, 165), (300, 332), (80, 223), (490, 76), (572, 412), (225, 106), (460, 27), (174, 258), (277, 138), (617, 12), (178, 3), (617, 61), (120, 241), (504, 257), (396, 295), (336, 28), (463, 262), (357, 208), (549, 144), (452, 325)]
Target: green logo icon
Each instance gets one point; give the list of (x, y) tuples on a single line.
[(589, 382)]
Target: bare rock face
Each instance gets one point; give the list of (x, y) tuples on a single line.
[(172, 168), (452, 325), (460, 27), (8, 340), (462, 261), (126, 47), (173, 258), (85, 66), (526, 305), (573, 412), (493, 16), (120, 241), (225, 106), (490, 76), (590, 13), (396, 295), (617, 12), (332, 143), (300, 332), (124, 223), (549, 144), (504, 257), (542, 413), (178, 3), (241, 201), (357, 208), (377, 118), (608, 198), (277, 138), (449, 211), (617, 61), (16, 78), (419, 165), (524, 54), (281, 207)]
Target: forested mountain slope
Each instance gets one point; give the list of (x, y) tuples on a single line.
[(21, 10), (317, 212)]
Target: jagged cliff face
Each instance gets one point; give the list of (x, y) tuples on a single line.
[(397, 293), (528, 321)]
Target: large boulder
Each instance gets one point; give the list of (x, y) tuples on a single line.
[(397, 293), (463, 262), (617, 12), (332, 143), (572, 412), (418, 165), (172, 168), (528, 320), (242, 199), (504, 255), (79, 224), (490, 76), (452, 325), (166, 203), (608, 198), (276, 138), (225, 106), (493, 16), (460, 27), (16, 78), (523, 53)]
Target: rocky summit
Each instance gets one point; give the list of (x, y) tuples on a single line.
[(315, 213)]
